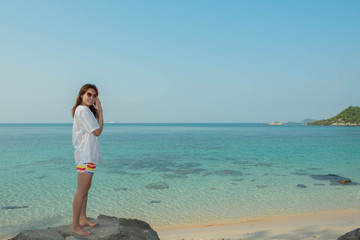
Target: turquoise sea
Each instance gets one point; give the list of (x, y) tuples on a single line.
[(179, 174)]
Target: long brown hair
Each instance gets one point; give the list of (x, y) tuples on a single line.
[(79, 99)]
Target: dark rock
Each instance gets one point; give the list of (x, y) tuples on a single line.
[(334, 179), (301, 186), (13, 207), (227, 173), (237, 179), (299, 173), (262, 164), (189, 171), (189, 165), (161, 169), (157, 186), (353, 235), (155, 201), (120, 189), (173, 176), (110, 228)]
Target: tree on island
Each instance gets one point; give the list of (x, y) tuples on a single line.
[(349, 116)]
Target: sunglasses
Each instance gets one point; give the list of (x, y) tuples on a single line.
[(93, 95)]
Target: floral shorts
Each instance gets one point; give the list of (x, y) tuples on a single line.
[(88, 167)]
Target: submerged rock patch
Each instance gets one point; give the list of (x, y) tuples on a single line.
[(301, 186), (334, 179), (161, 169), (173, 176), (13, 207), (262, 164), (314, 168), (157, 186), (189, 171), (299, 173), (120, 189), (188, 165), (237, 179), (227, 173)]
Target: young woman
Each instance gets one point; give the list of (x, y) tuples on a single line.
[(88, 125)]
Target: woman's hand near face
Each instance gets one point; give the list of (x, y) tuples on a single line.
[(98, 108), (97, 105)]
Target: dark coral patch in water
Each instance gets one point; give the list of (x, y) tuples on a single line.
[(301, 186), (121, 172), (227, 173), (183, 172), (299, 173), (173, 176), (237, 179), (189, 171), (188, 165), (262, 164), (120, 189), (150, 164), (14, 207), (157, 186), (314, 168), (161, 169), (333, 179), (244, 163)]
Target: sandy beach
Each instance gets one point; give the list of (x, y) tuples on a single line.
[(328, 225)]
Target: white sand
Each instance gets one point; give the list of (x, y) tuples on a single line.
[(329, 225)]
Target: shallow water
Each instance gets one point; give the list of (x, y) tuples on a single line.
[(175, 174)]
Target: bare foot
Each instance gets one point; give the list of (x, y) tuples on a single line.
[(80, 231), (87, 222)]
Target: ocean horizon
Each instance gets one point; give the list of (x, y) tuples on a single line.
[(175, 174)]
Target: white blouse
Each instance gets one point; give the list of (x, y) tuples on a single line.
[(85, 142)]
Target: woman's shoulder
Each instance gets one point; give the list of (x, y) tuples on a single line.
[(81, 108)]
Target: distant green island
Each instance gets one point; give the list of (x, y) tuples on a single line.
[(348, 117)]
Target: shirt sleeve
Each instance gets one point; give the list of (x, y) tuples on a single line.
[(88, 120)]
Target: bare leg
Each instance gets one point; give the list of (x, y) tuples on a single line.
[(84, 183), (84, 221)]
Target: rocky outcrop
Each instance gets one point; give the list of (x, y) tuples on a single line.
[(110, 228), (353, 235)]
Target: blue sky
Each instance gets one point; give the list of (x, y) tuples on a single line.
[(180, 61)]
